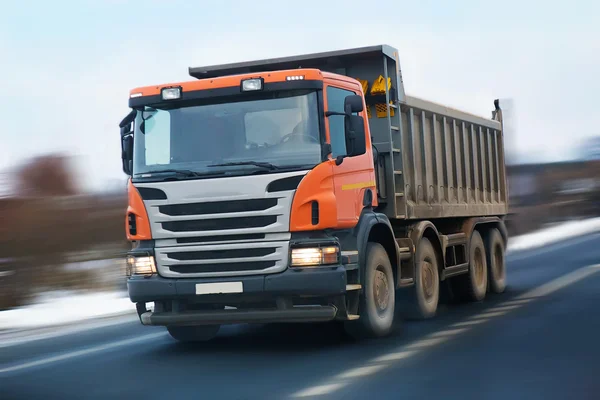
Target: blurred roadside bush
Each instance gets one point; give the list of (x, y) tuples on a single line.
[(48, 224)]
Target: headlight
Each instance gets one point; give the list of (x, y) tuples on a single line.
[(171, 93), (313, 256), (140, 265), (252, 84)]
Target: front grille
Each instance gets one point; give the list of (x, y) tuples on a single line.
[(221, 254), (218, 207), (233, 237), (227, 259), (226, 267), (220, 224)]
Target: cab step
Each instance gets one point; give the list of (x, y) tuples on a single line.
[(353, 317), (353, 286)]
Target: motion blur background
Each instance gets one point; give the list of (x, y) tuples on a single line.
[(67, 69)]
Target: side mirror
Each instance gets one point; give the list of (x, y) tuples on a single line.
[(127, 154), (353, 104), (356, 143), (126, 131)]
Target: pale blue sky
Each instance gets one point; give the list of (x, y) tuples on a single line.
[(67, 66)]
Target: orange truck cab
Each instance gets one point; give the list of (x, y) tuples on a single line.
[(307, 189)]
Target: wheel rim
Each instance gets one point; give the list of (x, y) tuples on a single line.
[(381, 290), (428, 280), (478, 267), (498, 262)]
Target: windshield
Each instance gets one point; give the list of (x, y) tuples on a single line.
[(282, 130)]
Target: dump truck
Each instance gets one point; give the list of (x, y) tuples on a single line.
[(308, 189)]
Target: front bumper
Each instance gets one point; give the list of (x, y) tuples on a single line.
[(322, 282), (220, 317)]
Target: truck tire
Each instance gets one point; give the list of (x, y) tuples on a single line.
[(472, 286), (196, 333), (377, 301), (422, 299), (496, 261)]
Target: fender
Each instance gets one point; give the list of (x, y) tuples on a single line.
[(470, 224), (416, 232), (503, 231), (368, 221)]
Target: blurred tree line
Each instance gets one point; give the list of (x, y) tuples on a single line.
[(45, 221)]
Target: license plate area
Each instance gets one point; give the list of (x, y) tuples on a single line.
[(219, 288)]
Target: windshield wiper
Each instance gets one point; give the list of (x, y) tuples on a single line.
[(259, 164), (184, 172)]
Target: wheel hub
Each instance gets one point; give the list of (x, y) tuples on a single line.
[(478, 266), (427, 281), (381, 290)]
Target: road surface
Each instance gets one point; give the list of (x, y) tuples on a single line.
[(539, 340)]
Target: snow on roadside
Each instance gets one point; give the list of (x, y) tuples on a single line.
[(60, 308), (553, 234)]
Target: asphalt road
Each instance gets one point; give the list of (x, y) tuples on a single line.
[(539, 340)]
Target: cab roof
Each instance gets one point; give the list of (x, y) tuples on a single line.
[(230, 81)]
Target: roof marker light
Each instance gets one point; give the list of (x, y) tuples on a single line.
[(294, 78), (134, 95)]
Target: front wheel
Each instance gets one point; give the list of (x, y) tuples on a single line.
[(196, 333), (377, 302)]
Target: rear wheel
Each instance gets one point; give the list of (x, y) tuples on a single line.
[(423, 297), (377, 302), (196, 333), (472, 286), (496, 261)]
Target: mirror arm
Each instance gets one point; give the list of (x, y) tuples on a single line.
[(128, 119)]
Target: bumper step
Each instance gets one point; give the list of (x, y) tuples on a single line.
[(222, 317)]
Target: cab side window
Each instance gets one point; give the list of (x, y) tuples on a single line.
[(335, 102)]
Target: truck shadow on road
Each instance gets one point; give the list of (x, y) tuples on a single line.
[(329, 337)]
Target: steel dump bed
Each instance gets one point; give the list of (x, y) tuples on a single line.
[(433, 161)]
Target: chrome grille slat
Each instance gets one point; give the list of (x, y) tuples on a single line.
[(193, 225), (218, 207), (223, 239), (160, 218), (226, 238), (217, 268), (221, 254)]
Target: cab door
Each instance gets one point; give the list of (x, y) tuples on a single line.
[(355, 174)]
